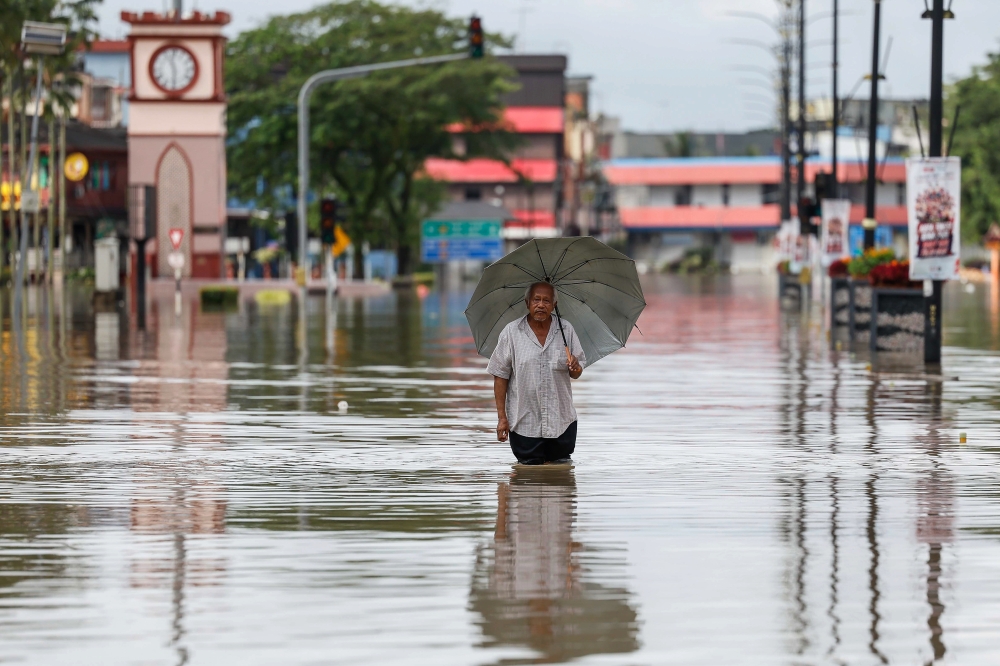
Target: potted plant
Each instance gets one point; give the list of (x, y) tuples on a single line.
[(838, 269), (893, 275), (860, 266)]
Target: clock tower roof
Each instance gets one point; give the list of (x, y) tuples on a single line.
[(171, 18)]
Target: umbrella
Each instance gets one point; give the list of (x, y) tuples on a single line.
[(597, 291)]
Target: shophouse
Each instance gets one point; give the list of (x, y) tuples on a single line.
[(669, 206), (530, 184)]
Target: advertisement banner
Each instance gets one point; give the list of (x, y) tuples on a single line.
[(834, 240), (934, 195)]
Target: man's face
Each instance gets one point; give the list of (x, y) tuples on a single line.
[(541, 303)]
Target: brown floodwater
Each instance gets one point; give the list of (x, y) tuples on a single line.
[(743, 493)]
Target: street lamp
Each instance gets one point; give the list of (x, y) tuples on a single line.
[(43, 38), (932, 311), (39, 39)]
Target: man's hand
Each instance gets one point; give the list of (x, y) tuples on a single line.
[(574, 367), (503, 429)]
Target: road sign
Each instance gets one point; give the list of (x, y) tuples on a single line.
[(30, 201), (77, 167), (340, 241), (455, 240), (176, 236), (176, 260)]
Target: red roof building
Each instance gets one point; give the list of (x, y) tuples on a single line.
[(527, 184), (670, 205)]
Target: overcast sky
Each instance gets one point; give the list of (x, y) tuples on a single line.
[(669, 64)]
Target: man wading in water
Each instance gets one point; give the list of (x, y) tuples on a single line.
[(531, 381)]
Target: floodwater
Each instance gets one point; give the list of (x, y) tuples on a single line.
[(742, 494)]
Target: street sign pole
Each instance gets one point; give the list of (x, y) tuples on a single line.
[(176, 261), (305, 93), (25, 187)]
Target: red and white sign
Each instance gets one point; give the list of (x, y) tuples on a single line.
[(934, 197), (176, 236)]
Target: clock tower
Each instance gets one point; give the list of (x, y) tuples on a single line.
[(177, 132)]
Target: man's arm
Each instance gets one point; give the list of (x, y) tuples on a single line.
[(500, 396), (576, 358)]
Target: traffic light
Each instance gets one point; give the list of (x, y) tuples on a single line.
[(327, 221), (292, 235), (476, 37), (824, 186), (807, 211)]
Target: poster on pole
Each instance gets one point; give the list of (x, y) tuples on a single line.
[(834, 242), (934, 195)]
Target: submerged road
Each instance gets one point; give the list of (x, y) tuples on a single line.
[(742, 494)]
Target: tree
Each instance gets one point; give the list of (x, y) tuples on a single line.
[(17, 73), (976, 139), (369, 136)]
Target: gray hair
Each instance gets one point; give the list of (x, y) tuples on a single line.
[(532, 286)]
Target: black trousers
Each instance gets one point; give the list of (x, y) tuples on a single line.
[(543, 449)]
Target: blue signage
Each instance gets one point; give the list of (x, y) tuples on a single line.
[(856, 238), (441, 249)]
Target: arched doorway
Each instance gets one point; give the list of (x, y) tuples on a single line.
[(173, 203)]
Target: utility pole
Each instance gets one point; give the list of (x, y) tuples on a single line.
[(869, 222), (800, 189), (786, 124), (932, 308), (834, 182)]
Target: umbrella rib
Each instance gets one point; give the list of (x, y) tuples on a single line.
[(499, 319), (525, 270), (605, 284), (562, 256), (540, 262), (515, 285), (583, 263), (606, 327)]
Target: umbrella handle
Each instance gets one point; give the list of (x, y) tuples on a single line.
[(565, 344)]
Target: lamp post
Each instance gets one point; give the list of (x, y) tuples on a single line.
[(801, 184), (835, 184), (783, 28), (869, 223), (40, 39), (932, 310)]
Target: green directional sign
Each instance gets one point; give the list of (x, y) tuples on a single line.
[(455, 240), (445, 229)]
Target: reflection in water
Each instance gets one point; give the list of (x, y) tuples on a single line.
[(193, 492), (935, 523), (536, 587)]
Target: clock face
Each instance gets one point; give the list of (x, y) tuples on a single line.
[(174, 68)]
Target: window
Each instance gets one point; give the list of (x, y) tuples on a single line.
[(682, 195), (725, 193), (770, 193), (901, 194), (99, 103), (473, 193), (101, 176)]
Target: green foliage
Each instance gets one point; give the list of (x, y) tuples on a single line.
[(60, 77), (679, 145), (976, 139), (695, 260), (369, 136), (862, 265), (219, 297), (85, 275)]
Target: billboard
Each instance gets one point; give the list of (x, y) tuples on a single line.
[(834, 239), (934, 195)]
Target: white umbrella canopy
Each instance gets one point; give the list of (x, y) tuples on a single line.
[(597, 290)]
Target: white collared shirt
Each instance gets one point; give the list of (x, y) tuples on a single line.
[(539, 396)]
